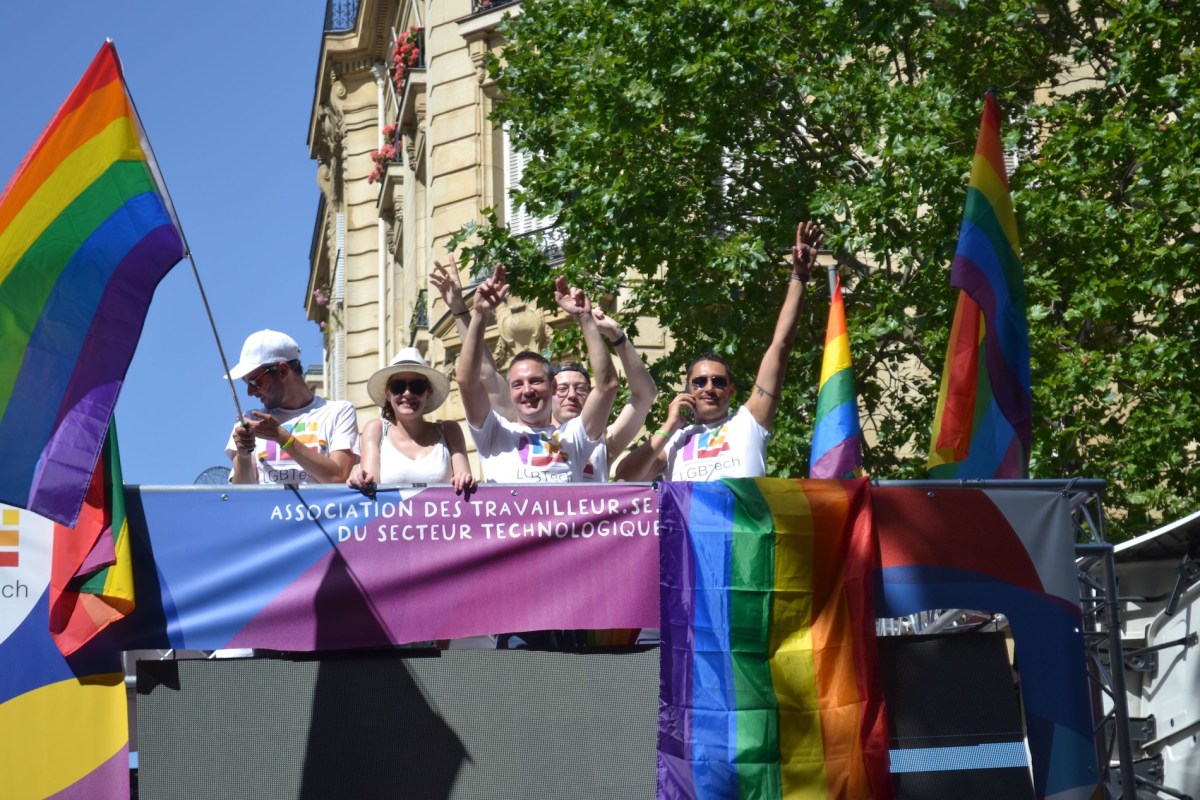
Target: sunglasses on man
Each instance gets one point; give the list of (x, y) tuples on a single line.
[(257, 378), (718, 381), (398, 386)]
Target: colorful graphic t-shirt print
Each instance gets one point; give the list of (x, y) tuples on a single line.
[(706, 444), (306, 433), (541, 450)]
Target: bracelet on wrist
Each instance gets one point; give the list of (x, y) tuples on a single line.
[(288, 443), (463, 313), (620, 340), (801, 278), (661, 432)]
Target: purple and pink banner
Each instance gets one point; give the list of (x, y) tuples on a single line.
[(325, 568)]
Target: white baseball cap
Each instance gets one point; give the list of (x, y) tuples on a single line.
[(264, 347)]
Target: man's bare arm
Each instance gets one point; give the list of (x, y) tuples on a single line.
[(598, 405), (763, 398), (446, 281), (642, 390), (475, 400)]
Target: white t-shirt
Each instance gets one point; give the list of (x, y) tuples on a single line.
[(511, 452), (735, 447), (596, 470), (327, 425)]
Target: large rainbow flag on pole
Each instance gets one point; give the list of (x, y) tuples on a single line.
[(769, 676), (86, 234), (91, 576), (983, 424), (837, 437)]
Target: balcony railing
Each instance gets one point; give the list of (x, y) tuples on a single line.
[(341, 15), (420, 316), (480, 6)]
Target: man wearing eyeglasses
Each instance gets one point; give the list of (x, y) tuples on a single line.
[(297, 437), (700, 440), (572, 385), (533, 448)]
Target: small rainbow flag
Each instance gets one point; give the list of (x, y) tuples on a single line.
[(86, 234), (769, 677), (837, 437), (983, 427), (91, 574)]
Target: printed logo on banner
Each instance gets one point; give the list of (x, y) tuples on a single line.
[(25, 544), (10, 538)]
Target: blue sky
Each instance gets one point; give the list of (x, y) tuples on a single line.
[(224, 90)]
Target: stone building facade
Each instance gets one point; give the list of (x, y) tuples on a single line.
[(381, 221)]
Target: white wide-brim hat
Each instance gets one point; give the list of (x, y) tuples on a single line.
[(409, 360)]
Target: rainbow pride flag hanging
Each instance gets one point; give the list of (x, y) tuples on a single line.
[(837, 437), (769, 682), (91, 576), (983, 424), (86, 234)]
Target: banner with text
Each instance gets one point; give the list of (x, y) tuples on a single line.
[(321, 568)]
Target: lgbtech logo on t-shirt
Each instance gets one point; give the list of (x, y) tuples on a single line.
[(706, 444), (540, 450)]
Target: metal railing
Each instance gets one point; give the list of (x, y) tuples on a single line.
[(340, 15), (420, 316), (480, 6)]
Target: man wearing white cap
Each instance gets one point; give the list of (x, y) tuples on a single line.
[(297, 437)]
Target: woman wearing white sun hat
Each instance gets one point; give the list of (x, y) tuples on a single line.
[(403, 447)]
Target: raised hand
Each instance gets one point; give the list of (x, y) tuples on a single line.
[(446, 281), (607, 325), (571, 300), (492, 292), (809, 238)]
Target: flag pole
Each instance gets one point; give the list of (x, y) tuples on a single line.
[(216, 336)]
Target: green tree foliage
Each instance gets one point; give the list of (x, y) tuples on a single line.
[(679, 141)]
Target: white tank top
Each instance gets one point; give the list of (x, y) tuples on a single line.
[(397, 468)]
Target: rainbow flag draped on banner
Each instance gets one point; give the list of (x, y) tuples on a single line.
[(86, 234), (983, 424), (91, 575), (769, 676), (837, 437)]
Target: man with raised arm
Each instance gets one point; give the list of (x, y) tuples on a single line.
[(700, 440), (572, 387), (572, 382), (297, 437), (533, 448)]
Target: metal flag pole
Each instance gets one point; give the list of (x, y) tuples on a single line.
[(216, 336)]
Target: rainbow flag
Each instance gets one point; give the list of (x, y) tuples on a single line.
[(837, 437), (91, 574), (769, 677), (86, 233), (984, 419)]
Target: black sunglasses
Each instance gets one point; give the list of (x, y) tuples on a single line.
[(718, 381), (398, 386)]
